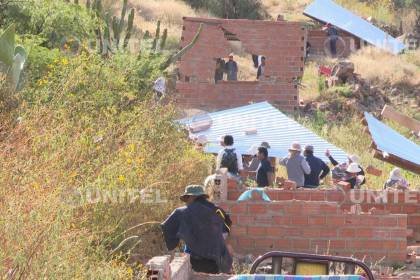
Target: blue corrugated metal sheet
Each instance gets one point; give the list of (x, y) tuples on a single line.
[(272, 126), (329, 11), (389, 141)]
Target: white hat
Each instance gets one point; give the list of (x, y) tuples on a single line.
[(201, 139), (354, 158), (353, 168), (253, 150), (395, 174), (295, 147)]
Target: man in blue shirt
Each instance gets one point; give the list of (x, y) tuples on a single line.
[(264, 170), (319, 169), (200, 224)]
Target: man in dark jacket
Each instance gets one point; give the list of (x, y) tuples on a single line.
[(261, 68), (319, 169), (231, 69), (332, 34), (200, 224)]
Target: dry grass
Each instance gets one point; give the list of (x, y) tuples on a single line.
[(291, 9), (169, 12), (384, 68)]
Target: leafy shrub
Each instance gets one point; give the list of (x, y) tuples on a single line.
[(56, 21), (84, 130)]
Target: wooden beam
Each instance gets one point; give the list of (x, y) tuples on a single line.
[(389, 113), (394, 160)]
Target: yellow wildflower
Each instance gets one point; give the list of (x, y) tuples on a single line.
[(64, 61), (129, 161), (121, 178), (132, 147), (130, 271)]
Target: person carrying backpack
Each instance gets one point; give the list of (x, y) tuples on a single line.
[(229, 157)]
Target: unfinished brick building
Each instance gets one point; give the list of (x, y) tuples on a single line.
[(281, 42)]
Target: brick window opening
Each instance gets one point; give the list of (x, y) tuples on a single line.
[(246, 62)]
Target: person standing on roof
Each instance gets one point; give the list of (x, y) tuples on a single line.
[(201, 225), (340, 168), (296, 165), (319, 169), (229, 157), (332, 34), (231, 69)]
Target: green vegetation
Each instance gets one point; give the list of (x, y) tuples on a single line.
[(84, 127)]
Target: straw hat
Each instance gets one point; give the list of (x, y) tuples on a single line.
[(395, 174), (354, 158), (353, 168), (295, 147), (253, 150), (231, 54)]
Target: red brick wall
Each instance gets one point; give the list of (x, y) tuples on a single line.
[(281, 43), (316, 227), (318, 38), (396, 203)]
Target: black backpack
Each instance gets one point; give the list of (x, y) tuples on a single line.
[(230, 161)]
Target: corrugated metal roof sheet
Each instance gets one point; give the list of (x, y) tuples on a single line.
[(272, 126), (329, 11), (388, 140)]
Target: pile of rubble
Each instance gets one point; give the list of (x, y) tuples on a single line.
[(347, 92)]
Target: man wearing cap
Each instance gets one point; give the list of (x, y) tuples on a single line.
[(296, 165), (231, 69), (319, 169), (200, 224)]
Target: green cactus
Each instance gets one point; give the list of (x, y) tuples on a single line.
[(13, 57), (146, 35), (173, 58), (163, 39), (129, 28), (157, 34), (97, 6)]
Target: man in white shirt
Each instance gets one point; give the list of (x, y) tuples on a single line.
[(229, 157)]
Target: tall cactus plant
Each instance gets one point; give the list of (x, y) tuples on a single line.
[(157, 34), (163, 39), (13, 57), (129, 28), (173, 58)]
